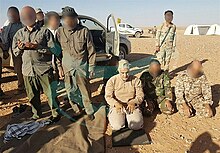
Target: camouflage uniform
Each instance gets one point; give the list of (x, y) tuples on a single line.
[(193, 91), (157, 90), (167, 44)]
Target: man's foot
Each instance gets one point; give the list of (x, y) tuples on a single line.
[(90, 117), (77, 116), (54, 119)]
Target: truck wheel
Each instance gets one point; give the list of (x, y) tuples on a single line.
[(122, 53), (137, 35)]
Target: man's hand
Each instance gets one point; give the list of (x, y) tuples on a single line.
[(119, 107), (169, 105), (187, 110), (5, 55), (209, 110), (30, 45), (21, 45), (61, 73), (91, 74), (130, 108)]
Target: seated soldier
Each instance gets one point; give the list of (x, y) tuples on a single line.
[(193, 92), (124, 94), (157, 89)]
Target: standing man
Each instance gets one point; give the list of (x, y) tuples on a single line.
[(4, 55), (124, 94), (193, 92), (166, 40), (7, 39), (53, 23), (78, 61), (154, 31), (35, 44), (40, 17), (157, 89)]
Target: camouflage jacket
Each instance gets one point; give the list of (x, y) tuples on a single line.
[(170, 40), (188, 89), (158, 88)]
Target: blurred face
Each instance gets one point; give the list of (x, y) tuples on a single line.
[(155, 69), (54, 22), (13, 16), (70, 22), (124, 74), (169, 17), (40, 16), (28, 16), (195, 69)]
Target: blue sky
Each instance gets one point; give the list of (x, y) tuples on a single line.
[(136, 12)]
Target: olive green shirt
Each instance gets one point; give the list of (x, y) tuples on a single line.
[(36, 60), (77, 48)]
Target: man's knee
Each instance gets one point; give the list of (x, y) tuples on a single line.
[(133, 125), (116, 126), (135, 120), (116, 120), (164, 109)]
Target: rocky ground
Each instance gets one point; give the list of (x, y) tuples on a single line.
[(169, 134)]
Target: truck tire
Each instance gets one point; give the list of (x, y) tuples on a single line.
[(122, 53), (137, 34)]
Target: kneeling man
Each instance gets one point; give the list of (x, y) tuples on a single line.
[(124, 94), (157, 89), (193, 92)]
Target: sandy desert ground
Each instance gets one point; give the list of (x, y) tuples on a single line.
[(169, 134)]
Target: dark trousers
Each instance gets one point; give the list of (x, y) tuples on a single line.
[(34, 84), (75, 80), (18, 70)]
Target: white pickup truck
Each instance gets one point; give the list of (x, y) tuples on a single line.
[(127, 29)]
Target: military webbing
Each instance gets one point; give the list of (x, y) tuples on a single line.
[(165, 36)]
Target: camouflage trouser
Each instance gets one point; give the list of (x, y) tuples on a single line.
[(164, 56), (151, 105), (197, 106)]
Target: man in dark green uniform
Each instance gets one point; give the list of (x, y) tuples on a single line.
[(8, 33), (157, 89), (78, 61), (35, 44)]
